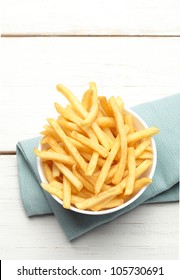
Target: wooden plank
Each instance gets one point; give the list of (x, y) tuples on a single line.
[(149, 232), (138, 69), (68, 17)]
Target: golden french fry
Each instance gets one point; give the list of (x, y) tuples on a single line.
[(47, 172), (141, 183), (59, 193), (109, 203), (69, 125), (110, 136), (55, 157), (66, 193), (84, 180), (79, 146), (139, 161), (87, 156), (92, 164), (69, 174), (55, 145), (75, 103), (141, 147), (106, 107), (120, 103), (149, 149), (55, 171), (52, 190), (102, 196), (146, 155), (144, 133), (57, 184), (120, 126), (86, 99), (129, 121), (104, 122), (143, 167), (71, 148), (131, 171), (102, 137), (67, 114), (105, 169), (85, 193), (89, 143), (94, 109)]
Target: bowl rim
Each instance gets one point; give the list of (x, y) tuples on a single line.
[(111, 210)]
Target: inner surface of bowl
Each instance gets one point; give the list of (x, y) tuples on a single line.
[(140, 124)]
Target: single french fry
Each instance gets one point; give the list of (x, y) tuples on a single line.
[(105, 169), (55, 171), (84, 180), (131, 171), (59, 193), (92, 164), (55, 157), (102, 196), (79, 146), (143, 167), (44, 140), (71, 148), (86, 99), (70, 176), (120, 103), (104, 122), (144, 133), (66, 193), (149, 149), (106, 107), (85, 193), (139, 161), (146, 155), (120, 126), (129, 121), (126, 128), (69, 125), (141, 147), (75, 103), (57, 184), (52, 190), (141, 183), (94, 109), (102, 137), (110, 203), (67, 114), (47, 172), (87, 156), (89, 143), (55, 145), (110, 136)]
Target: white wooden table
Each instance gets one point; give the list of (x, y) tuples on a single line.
[(131, 48)]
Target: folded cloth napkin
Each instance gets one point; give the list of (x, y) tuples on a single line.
[(163, 113)]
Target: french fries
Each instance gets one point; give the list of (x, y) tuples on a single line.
[(93, 156)]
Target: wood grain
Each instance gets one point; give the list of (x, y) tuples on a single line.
[(138, 69), (68, 17), (149, 232)]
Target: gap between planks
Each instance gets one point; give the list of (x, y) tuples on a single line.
[(7, 153), (88, 35)]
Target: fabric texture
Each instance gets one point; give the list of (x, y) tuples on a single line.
[(163, 113)]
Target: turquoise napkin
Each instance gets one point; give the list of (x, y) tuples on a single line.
[(163, 113)]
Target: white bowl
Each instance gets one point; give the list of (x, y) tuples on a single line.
[(140, 124)]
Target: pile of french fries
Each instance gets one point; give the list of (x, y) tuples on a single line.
[(93, 155)]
